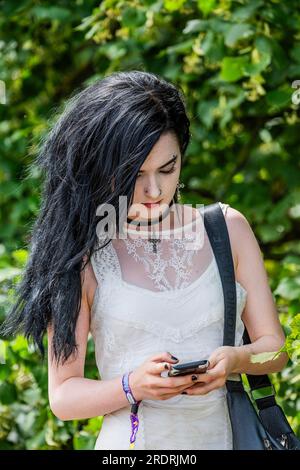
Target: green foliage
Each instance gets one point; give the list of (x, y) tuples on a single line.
[(293, 340), (236, 62)]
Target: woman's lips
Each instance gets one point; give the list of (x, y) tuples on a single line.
[(151, 204)]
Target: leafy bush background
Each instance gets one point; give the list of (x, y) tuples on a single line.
[(236, 62)]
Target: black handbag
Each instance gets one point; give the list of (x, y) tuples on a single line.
[(267, 429)]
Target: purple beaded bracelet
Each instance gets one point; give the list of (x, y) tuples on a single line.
[(134, 408)]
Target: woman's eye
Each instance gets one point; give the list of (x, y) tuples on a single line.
[(165, 172), (169, 171)]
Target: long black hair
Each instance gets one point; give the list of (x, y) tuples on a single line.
[(101, 138)]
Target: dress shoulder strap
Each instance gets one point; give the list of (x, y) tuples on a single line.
[(224, 207)]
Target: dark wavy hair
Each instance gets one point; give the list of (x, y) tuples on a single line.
[(103, 134)]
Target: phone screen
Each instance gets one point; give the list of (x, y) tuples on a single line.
[(195, 367)]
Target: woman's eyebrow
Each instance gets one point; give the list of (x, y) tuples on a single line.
[(173, 159)]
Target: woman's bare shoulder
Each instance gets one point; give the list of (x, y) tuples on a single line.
[(236, 224)]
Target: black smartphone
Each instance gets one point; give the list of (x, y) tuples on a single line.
[(196, 367)]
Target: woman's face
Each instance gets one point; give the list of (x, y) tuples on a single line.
[(157, 179)]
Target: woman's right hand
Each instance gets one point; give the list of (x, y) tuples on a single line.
[(146, 381)]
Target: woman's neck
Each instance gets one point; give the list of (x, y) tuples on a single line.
[(176, 218)]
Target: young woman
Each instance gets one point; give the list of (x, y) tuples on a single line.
[(149, 291)]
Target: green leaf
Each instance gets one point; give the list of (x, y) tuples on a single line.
[(238, 32), (247, 11), (25, 421), (83, 441), (133, 17), (51, 13), (8, 393), (3, 370), (263, 357), (232, 68), (94, 424), (37, 441), (173, 5), (261, 56), (271, 232), (293, 260), (180, 48), (21, 256), (295, 211), (32, 396), (194, 26), (9, 273), (279, 98), (20, 344), (206, 6), (206, 111), (114, 51), (295, 52), (288, 288), (13, 7)]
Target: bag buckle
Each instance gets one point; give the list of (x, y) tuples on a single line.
[(263, 392)]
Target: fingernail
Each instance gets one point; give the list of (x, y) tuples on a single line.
[(194, 377), (173, 357), (183, 393)]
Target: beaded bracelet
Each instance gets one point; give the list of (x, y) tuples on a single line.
[(134, 408)]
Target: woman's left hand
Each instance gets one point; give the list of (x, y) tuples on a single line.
[(222, 363)]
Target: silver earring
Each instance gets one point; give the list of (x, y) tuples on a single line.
[(178, 186)]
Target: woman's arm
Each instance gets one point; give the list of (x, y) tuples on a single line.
[(260, 314), (71, 395)]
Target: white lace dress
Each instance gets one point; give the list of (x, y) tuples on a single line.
[(147, 303)]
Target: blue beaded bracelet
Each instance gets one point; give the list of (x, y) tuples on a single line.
[(134, 408)]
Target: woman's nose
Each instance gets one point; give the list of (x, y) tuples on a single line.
[(152, 189)]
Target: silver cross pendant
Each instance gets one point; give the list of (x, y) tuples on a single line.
[(154, 242)]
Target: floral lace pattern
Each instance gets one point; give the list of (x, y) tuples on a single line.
[(155, 265)]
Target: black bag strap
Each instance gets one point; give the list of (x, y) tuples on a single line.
[(216, 228)]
